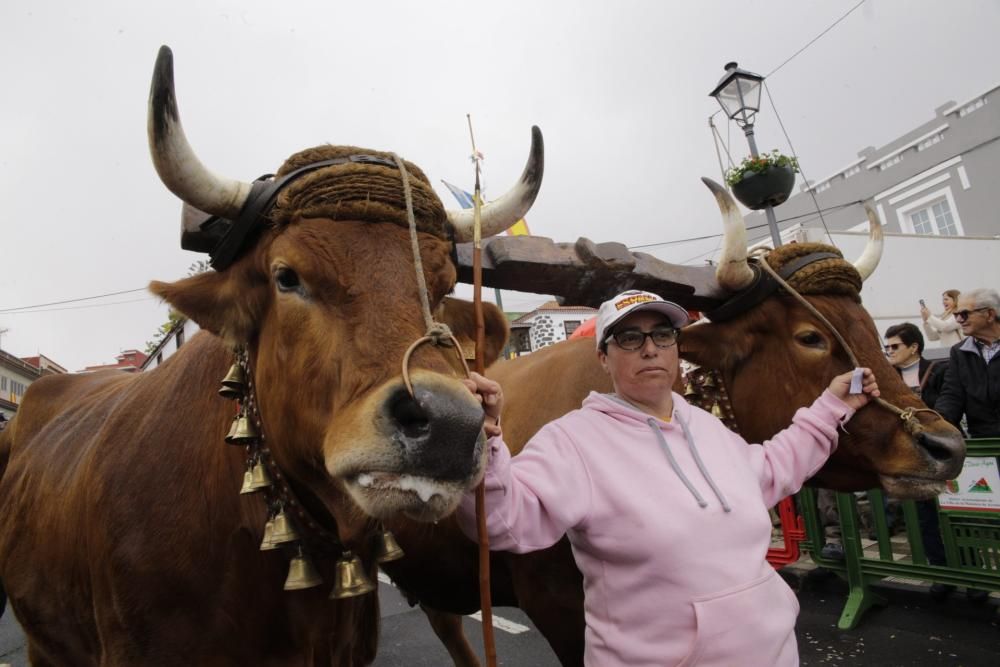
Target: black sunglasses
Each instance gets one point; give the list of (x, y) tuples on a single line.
[(963, 315), (892, 347), (631, 340)]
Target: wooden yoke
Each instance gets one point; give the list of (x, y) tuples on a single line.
[(586, 273)]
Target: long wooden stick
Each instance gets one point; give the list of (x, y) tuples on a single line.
[(485, 602)]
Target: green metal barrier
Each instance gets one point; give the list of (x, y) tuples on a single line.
[(971, 541)]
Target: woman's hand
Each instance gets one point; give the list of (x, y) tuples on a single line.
[(840, 387), (490, 396), (924, 313)]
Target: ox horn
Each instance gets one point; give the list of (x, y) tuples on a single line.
[(499, 214), (869, 259), (734, 272), (176, 163)]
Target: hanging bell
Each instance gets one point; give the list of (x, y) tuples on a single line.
[(260, 479), (351, 579), (387, 549), (283, 530), (267, 544), (248, 486), (302, 574), (689, 390), (242, 431), (716, 410), (234, 384)]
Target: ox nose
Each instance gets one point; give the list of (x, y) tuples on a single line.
[(439, 431), (946, 450)]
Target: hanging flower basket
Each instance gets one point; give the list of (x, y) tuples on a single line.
[(762, 181)]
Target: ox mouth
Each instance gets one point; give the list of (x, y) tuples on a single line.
[(421, 498), (911, 488)]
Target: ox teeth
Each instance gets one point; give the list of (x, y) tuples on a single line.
[(424, 488)]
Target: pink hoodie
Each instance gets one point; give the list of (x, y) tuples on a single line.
[(668, 522)]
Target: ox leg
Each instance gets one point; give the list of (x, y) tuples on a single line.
[(448, 628)]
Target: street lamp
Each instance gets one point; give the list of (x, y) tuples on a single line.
[(738, 93)]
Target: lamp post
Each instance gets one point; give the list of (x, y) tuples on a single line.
[(738, 93)]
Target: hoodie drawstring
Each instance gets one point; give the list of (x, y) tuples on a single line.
[(673, 463), (698, 461)]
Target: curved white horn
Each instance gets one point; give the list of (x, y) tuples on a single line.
[(179, 168), (734, 272), (869, 259), (501, 213)]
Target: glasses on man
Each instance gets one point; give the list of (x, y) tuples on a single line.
[(963, 315), (632, 339), (892, 347)]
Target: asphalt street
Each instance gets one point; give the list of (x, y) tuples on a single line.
[(912, 630)]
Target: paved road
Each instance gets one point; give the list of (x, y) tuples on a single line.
[(912, 631)]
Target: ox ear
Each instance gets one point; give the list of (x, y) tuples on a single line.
[(715, 345), (219, 302), (460, 316)]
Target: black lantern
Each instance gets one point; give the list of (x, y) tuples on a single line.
[(738, 94)]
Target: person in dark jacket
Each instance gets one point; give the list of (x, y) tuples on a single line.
[(972, 382)]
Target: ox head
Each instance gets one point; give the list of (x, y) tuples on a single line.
[(778, 356), (322, 290)]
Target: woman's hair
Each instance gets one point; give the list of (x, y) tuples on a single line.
[(953, 293)]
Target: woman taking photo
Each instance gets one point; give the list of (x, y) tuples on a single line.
[(943, 328)]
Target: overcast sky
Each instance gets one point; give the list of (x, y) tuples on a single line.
[(619, 89)]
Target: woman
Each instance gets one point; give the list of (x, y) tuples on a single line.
[(944, 327), (665, 508)]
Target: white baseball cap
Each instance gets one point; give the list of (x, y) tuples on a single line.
[(613, 310)]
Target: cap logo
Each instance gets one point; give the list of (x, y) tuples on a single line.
[(633, 300)]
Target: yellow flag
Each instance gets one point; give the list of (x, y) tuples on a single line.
[(519, 228)]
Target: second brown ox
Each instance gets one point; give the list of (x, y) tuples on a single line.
[(773, 358)]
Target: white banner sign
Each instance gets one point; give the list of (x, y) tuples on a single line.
[(976, 489)]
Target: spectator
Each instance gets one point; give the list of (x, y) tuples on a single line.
[(972, 381), (943, 328)]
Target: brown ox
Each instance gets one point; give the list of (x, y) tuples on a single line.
[(124, 540), (773, 359)]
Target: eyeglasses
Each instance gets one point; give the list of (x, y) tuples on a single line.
[(631, 340), (963, 315), (892, 347)]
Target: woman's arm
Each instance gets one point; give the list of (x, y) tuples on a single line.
[(533, 499)]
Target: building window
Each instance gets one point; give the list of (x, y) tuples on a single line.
[(972, 106), (159, 358), (522, 341), (894, 160), (3, 383), (853, 170), (180, 337), (570, 326), (929, 141), (935, 219)]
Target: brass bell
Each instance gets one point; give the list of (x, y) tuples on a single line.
[(283, 530), (247, 483), (716, 410), (267, 544), (234, 384), (242, 431), (260, 477), (351, 579), (689, 390), (709, 381), (387, 548), (302, 574)]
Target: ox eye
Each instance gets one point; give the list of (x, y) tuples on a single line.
[(287, 280), (811, 339)]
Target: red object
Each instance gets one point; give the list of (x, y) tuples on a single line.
[(585, 330), (793, 529)]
